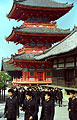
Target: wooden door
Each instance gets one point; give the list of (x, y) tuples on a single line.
[(40, 76)]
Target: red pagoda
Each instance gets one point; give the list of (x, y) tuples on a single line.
[(37, 34)]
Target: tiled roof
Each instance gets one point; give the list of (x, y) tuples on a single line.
[(66, 45), (43, 3), (9, 67), (25, 56), (42, 30)]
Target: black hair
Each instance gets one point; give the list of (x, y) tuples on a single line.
[(29, 93), (11, 90), (72, 91), (48, 93)]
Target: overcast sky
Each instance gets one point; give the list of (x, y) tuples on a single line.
[(65, 22)]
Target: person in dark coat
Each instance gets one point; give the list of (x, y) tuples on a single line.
[(56, 95), (20, 96), (42, 95), (11, 111), (15, 94), (30, 107), (47, 108), (38, 96), (60, 97), (72, 106)]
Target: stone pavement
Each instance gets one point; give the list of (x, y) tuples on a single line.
[(61, 113)]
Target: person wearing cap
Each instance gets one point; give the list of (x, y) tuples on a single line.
[(11, 111), (47, 107), (72, 106), (30, 107)]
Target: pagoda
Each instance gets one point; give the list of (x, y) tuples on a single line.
[(37, 34)]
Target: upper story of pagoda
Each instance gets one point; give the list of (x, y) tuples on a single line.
[(45, 9), (36, 33)]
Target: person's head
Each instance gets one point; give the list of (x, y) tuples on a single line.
[(20, 90), (29, 95), (10, 92), (43, 89), (15, 89), (49, 90), (53, 90), (47, 96), (56, 89), (72, 94), (30, 89)]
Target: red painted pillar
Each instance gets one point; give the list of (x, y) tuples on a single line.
[(35, 75), (23, 74), (51, 76), (44, 75), (28, 74)]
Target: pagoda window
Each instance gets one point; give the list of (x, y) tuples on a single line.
[(32, 45), (47, 45), (27, 44), (31, 73), (48, 73), (40, 44), (48, 69)]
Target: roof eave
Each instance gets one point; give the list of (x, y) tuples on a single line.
[(10, 36), (61, 7), (16, 4)]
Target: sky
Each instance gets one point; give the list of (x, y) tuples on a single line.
[(67, 21)]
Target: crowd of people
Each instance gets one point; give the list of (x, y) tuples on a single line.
[(29, 100)]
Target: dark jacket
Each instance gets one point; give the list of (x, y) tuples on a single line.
[(60, 95), (47, 110), (73, 106), (20, 98), (31, 109), (11, 108), (56, 94), (42, 95)]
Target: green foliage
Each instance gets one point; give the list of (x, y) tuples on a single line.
[(4, 77)]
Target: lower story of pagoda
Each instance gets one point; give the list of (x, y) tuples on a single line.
[(34, 77)]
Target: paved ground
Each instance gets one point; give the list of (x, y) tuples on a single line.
[(61, 113)]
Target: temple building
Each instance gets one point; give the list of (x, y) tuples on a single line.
[(64, 61), (37, 34)]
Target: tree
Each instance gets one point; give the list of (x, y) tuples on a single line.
[(4, 77)]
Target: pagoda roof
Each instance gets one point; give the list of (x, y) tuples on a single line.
[(9, 67), (25, 34), (68, 44), (43, 30), (43, 3), (27, 60), (24, 9), (24, 56)]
